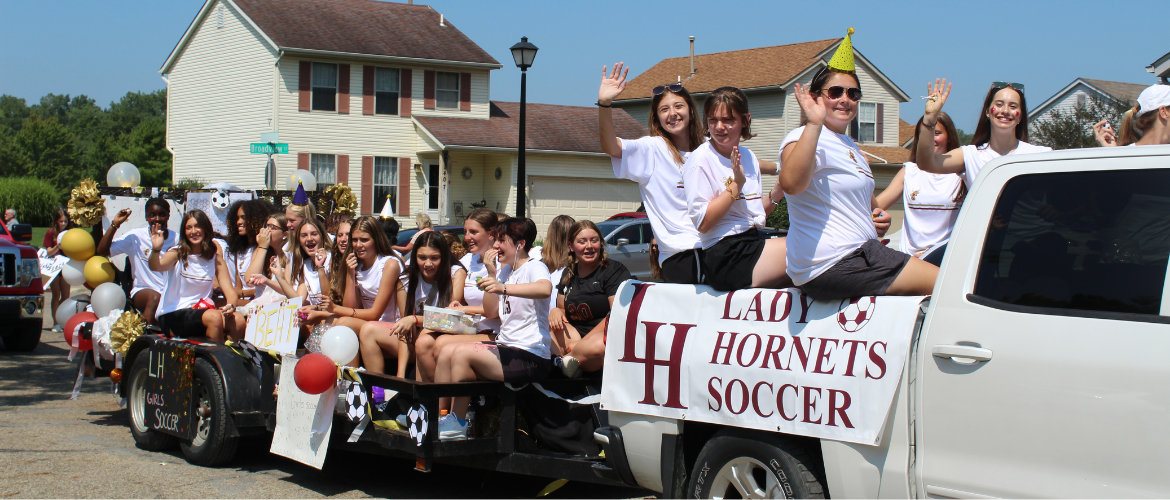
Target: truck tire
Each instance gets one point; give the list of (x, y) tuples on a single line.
[(144, 436), (213, 443), (26, 338), (744, 464)]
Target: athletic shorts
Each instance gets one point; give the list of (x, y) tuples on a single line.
[(728, 264), (184, 323), (522, 367), (868, 270), (684, 267)]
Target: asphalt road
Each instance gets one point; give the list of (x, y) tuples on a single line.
[(52, 447)]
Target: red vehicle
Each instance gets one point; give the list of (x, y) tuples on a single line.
[(628, 215), (21, 291)]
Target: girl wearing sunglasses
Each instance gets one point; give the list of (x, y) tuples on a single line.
[(726, 203), (833, 250)]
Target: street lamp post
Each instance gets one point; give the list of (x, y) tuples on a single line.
[(523, 53)]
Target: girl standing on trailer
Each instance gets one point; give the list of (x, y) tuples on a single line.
[(519, 297), (726, 202), (833, 250), (932, 201), (186, 308)]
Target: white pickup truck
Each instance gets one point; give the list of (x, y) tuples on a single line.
[(1040, 366)]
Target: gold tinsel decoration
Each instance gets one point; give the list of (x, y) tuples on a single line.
[(86, 206), (339, 199), (125, 331)]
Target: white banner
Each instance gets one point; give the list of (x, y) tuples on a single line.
[(50, 266), (303, 421), (273, 326), (762, 359)]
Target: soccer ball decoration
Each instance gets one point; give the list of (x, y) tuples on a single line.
[(418, 424), (355, 398), (856, 312), (220, 200)]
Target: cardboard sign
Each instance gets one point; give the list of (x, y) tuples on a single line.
[(168, 389), (763, 359), (273, 326), (50, 266), (303, 421)]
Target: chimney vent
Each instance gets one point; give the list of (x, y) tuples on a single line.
[(692, 58), (441, 21)]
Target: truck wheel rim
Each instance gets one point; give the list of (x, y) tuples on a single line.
[(203, 425), (138, 401), (748, 477)]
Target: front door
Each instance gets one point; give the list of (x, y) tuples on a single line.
[(1044, 366), (434, 185)]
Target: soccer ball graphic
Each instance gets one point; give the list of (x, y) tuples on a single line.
[(355, 398), (418, 424), (855, 313), (220, 200)]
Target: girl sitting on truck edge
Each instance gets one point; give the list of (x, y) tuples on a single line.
[(193, 267), (932, 201), (585, 298), (726, 203), (271, 262), (336, 264), (244, 221), (1148, 123), (555, 253), (430, 280), (833, 250), (519, 297)]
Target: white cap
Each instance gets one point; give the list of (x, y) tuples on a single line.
[(1153, 98)]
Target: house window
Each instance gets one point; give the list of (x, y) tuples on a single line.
[(324, 168), (324, 87), (446, 90), (386, 91), (385, 183), (867, 122), (1081, 99)]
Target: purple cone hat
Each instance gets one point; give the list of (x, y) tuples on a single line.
[(300, 197)]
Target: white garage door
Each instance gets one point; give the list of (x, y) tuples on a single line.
[(595, 200)]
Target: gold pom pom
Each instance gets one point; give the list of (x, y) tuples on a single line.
[(339, 199), (86, 206), (125, 331)]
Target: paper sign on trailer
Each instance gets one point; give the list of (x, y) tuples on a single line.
[(274, 326), (303, 421)]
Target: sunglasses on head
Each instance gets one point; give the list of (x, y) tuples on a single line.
[(1003, 85), (674, 87), (836, 91)]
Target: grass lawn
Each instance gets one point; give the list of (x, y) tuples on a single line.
[(38, 236)]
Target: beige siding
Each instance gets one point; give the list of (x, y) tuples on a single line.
[(480, 90), (1068, 103), (220, 100), (875, 91), (640, 111)]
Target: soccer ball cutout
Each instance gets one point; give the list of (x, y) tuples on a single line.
[(418, 424), (355, 398), (220, 200), (856, 312)]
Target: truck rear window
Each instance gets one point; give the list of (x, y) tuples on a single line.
[(1092, 241)]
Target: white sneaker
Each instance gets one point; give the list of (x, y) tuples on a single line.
[(58, 329), (450, 429), (570, 366)]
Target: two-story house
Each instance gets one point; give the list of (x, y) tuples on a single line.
[(767, 76), (388, 98), (1081, 92)]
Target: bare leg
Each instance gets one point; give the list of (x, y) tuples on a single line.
[(60, 291), (213, 321), (771, 270), (590, 351), (376, 342), (465, 363), (403, 357), (147, 302), (424, 353), (441, 343), (917, 278)]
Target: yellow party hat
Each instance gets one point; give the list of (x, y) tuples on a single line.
[(843, 59)]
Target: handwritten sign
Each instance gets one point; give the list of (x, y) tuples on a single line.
[(272, 326), (50, 266), (303, 421), (168, 389)]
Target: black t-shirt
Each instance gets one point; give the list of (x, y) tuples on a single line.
[(587, 297)]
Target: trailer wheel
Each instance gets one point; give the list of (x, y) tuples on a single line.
[(144, 436), (743, 464), (213, 443)]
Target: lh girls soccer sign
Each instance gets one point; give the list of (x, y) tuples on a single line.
[(763, 359)]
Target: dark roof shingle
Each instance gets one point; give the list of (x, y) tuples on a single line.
[(370, 27), (551, 127), (892, 155), (1119, 90)]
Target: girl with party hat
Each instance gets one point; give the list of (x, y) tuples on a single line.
[(833, 247)]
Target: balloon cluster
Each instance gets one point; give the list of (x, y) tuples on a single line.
[(97, 274), (317, 372)]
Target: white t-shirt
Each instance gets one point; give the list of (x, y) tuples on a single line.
[(524, 322), (312, 278), (931, 209), (472, 295), (975, 157), (135, 244), (187, 284), (238, 263), (705, 177), (424, 289), (537, 253), (834, 216), (649, 162), (369, 283)]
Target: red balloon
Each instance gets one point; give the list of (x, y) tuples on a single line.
[(84, 344), (315, 373)]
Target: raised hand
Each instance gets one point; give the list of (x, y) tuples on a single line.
[(612, 84), (351, 260), (489, 261), (1104, 134), (264, 238), (121, 217), (157, 238), (737, 169), (320, 256), (936, 96), (276, 268), (810, 105)]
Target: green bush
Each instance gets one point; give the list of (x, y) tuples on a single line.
[(35, 200), (779, 217)]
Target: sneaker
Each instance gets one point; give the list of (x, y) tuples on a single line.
[(58, 329), (451, 428), (570, 366)]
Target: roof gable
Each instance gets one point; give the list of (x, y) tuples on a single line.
[(551, 127), (1117, 91)]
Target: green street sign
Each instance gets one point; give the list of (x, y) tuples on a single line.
[(268, 148)]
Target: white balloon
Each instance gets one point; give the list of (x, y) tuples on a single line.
[(304, 177), (340, 344), (71, 306), (74, 272), (123, 174), (108, 297)]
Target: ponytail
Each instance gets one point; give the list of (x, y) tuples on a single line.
[(1135, 125)]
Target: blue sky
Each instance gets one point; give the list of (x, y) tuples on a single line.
[(109, 47)]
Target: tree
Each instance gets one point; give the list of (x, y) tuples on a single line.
[(43, 149), (13, 111), (145, 147), (1074, 128), (964, 138), (779, 217)]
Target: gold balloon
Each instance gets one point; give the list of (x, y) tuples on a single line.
[(98, 270), (77, 244)]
